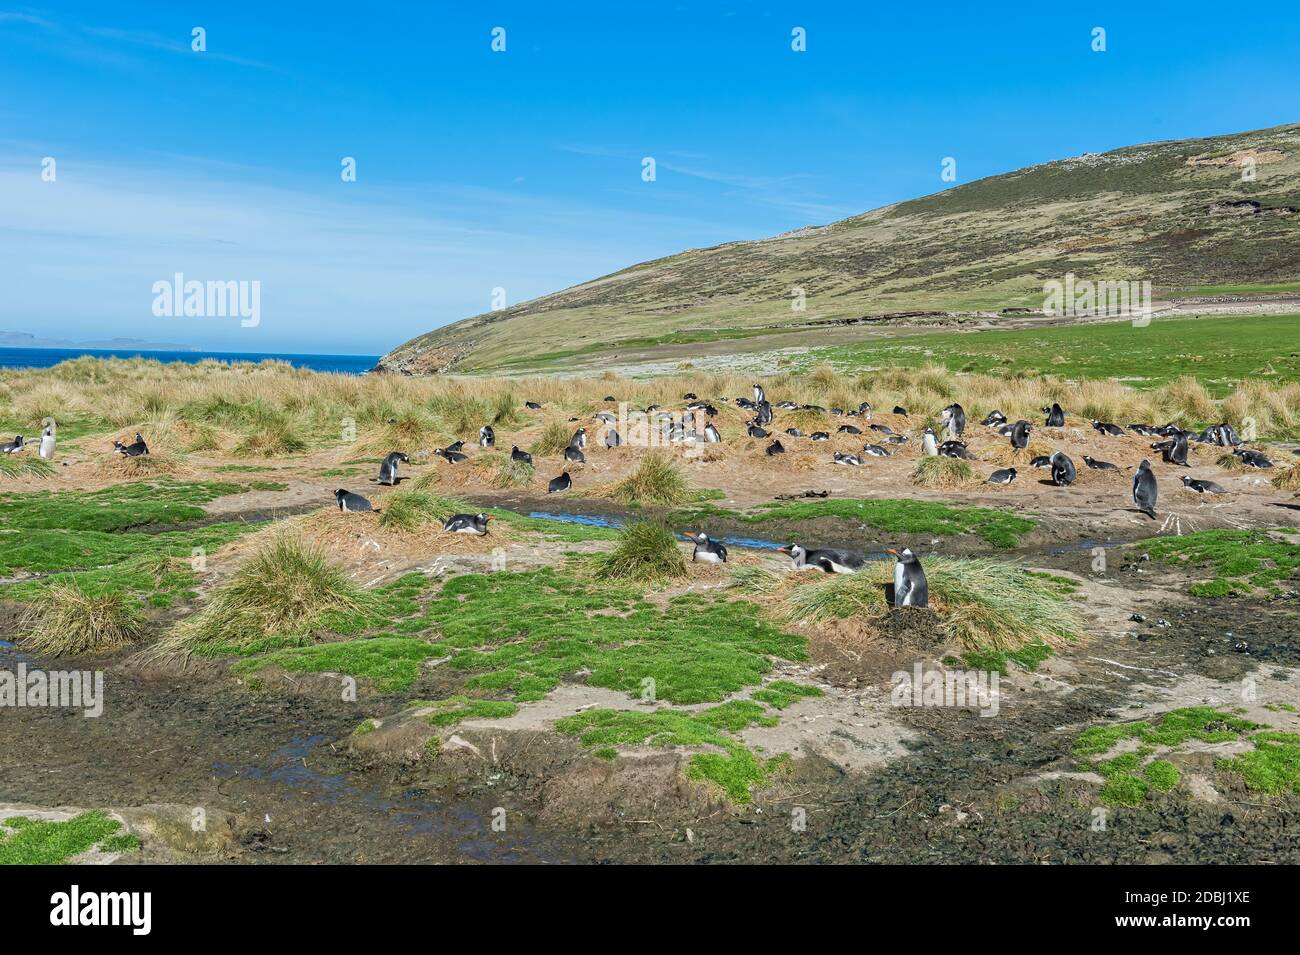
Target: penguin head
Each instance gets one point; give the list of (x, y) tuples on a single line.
[(340, 494), (905, 556), (482, 518), (1145, 465), (1186, 480), (794, 552), (700, 538)]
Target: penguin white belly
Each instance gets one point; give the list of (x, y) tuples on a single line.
[(708, 557), (47, 448), (900, 582), (840, 568)]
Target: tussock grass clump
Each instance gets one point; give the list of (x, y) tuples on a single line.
[(271, 438), (646, 551), (656, 480), (1287, 479), (70, 621), (278, 597), (942, 472), (412, 510), (984, 605), (153, 464), (25, 465), (553, 439), (507, 472)]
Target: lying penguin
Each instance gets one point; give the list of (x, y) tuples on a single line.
[(1099, 465), (910, 586), (523, 457), (574, 454), (830, 560), (476, 524), (1203, 487), (707, 550), (350, 503), (133, 450), (561, 483), (14, 446), (1002, 476), (450, 456), (1252, 459), (388, 468)]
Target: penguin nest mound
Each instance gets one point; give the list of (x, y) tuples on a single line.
[(799, 460), (145, 465), (365, 537), (982, 604), (1005, 456), (452, 476), (1287, 480), (942, 472)]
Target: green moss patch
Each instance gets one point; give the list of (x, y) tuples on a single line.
[(782, 693), (1240, 563), (26, 841)]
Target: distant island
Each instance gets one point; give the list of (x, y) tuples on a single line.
[(26, 340)]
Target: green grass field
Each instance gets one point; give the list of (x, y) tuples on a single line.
[(1216, 351)]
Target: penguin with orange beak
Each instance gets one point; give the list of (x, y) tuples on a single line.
[(707, 550), (910, 587)]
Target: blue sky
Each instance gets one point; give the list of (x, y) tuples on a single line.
[(522, 170)]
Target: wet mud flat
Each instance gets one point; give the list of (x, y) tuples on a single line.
[(272, 767)]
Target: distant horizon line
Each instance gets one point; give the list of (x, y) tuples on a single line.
[(185, 350)]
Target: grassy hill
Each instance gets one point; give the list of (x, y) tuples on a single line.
[(1180, 214)]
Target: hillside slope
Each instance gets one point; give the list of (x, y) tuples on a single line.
[(1177, 213)]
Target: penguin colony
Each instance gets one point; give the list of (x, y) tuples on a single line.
[(909, 587)]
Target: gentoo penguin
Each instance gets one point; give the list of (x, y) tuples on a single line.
[(451, 457), (1055, 416), (896, 439), (929, 443), (1173, 451), (709, 551), (1105, 427), (573, 454), (689, 396), (955, 449), (350, 503), (1002, 476), (476, 524), (1143, 429), (1252, 459), (12, 447), (763, 413), (388, 467), (775, 448), (1145, 490), (532, 406), (455, 446), (486, 436), (910, 587), (47, 442), (1042, 461), (852, 460), (830, 560), (882, 428), (711, 434), (1063, 473), (954, 419), (1099, 465), (134, 450), (1020, 435), (561, 483), (605, 417), (610, 398), (899, 409), (522, 456), (819, 436), (993, 419), (1203, 487), (849, 429), (755, 431), (579, 439), (876, 450), (794, 432), (759, 395), (612, 440)]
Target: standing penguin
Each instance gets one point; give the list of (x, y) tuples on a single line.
[(930, 444), (954, 419), (1055, 416), (759, 395), (1063, 473), (47, 440), (561, 483), (486, 436), (388, 468), (711, 434), (579, 439), (1020, 435), (910, 587), (612, 440), (707, 550), (1145, 490)]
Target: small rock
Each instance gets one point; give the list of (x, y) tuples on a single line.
[(1138, 618)]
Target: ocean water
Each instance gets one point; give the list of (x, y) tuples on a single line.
[(48, 357)]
